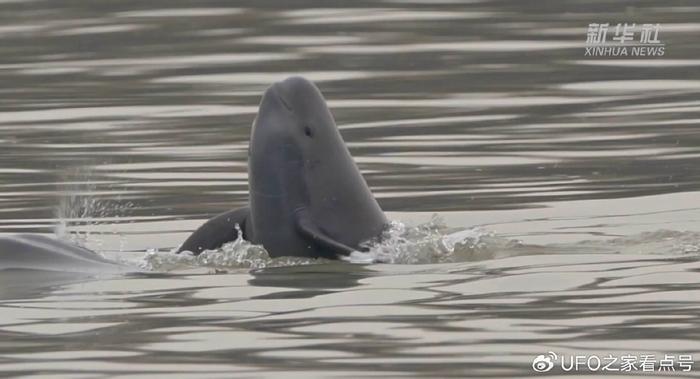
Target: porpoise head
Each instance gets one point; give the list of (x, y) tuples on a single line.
[(298, 157), (294, 114), (296, 130)]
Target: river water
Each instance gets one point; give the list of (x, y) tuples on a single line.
[(543, 200)]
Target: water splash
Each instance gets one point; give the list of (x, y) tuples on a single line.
[(431, 242), (232, 255), (434, 242), (80, 212)]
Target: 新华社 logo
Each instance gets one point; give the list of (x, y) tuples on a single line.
[(624, 40)]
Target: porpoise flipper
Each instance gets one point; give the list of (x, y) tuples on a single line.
[(217, 231), (313, 233)]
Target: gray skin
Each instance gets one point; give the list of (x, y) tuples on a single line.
[(37, 252), (307, 196)]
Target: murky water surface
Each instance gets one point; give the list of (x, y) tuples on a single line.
[(566, 188)]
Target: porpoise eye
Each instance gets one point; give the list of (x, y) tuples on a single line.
[(308, 131)]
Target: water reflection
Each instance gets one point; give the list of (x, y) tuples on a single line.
[(312, 277), (483, 319)]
